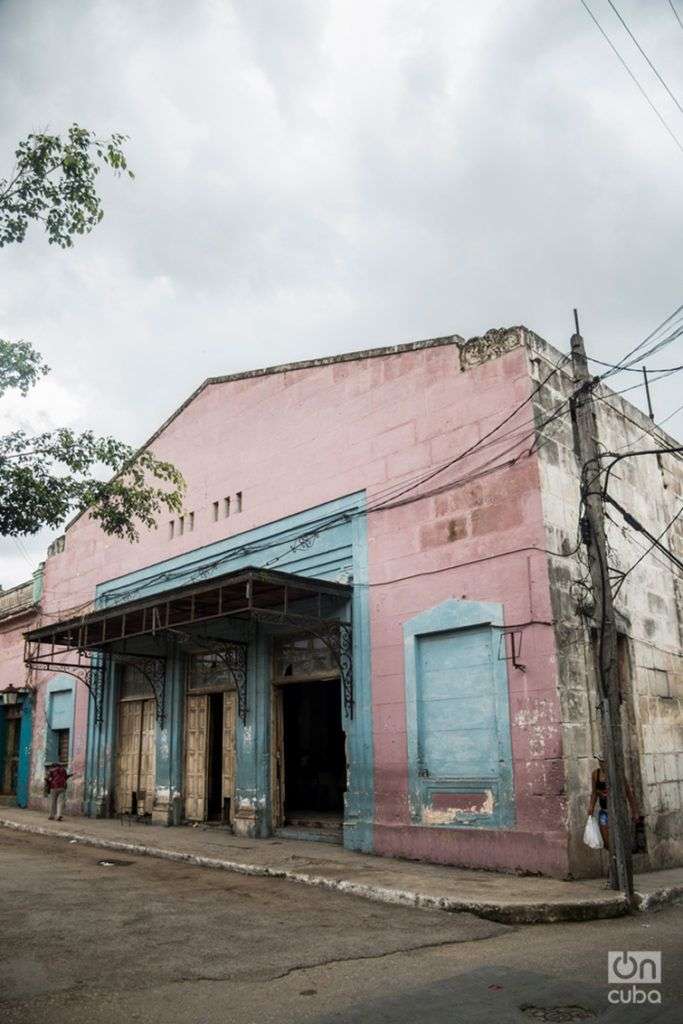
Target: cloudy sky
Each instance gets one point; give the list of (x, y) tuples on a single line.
[(315, 176)]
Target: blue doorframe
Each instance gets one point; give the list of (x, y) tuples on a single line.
[(336, 549)]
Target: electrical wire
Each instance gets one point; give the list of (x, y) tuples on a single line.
[(636, 639), (642, 52), (390, 497), (634, 369), (671, 415), (632, 536), (647, 552), (624, 361), (647, 432), (677, 15), (332, 521), (22, 551), (633, 77), (676, 333), (489, 433), (383, 499), (651, 380), (663, 448)]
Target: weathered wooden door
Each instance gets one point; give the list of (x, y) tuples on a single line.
[(136, 756), (148, 747), (277, 761), (229, 717), (196, 746)]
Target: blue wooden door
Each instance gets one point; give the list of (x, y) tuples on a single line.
[(457, 729), (458, 717)]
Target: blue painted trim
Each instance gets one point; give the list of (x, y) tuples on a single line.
[(25, 741), (360, 796), (448, 617), (240, 550), (339, 552), (58, 684), (100, 747), (38, 583)]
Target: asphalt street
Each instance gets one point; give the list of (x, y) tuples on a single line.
[(98, 938)]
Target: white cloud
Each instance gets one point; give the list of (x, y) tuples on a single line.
[(324, 175)]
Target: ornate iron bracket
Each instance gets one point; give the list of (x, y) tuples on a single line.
[(232, 654), (345, 658), (234, 657), (92, 674), (153, 668), (95, 679), (338, 638)]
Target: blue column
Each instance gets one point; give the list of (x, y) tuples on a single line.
[(359, 798), (251, 783), (25, 739), (101, 746)]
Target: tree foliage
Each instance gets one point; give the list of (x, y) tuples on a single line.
[(53, 181), (20, 366), (45, 478)]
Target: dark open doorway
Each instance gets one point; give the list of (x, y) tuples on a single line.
[(315, 758), (214, 802)]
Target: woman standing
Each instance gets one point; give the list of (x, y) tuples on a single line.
[(599, 792)]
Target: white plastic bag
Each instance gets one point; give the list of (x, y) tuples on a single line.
[(591, 834)]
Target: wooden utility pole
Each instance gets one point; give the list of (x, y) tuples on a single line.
[(593, 532)]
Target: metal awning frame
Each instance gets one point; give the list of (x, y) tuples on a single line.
[(91, 669), (82, 647)]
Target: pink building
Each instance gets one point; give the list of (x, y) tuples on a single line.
[(364, 624)]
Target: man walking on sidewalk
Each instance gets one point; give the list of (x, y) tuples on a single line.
[(55, 782)]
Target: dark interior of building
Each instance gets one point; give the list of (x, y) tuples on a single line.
[(315, 760)]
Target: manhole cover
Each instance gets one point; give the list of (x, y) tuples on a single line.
[(560, 1014), (114, 863)]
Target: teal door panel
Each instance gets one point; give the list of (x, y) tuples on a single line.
[(457, 717), (25, 739)]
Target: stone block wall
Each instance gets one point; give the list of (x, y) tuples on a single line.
[(649, 610)]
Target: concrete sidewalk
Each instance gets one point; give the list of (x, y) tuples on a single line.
[(509, 899)]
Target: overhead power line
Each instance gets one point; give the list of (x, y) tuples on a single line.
[(653, 380), (642, 51), (678, 17), (636, 354), (22, 551), (635, 369), (670, 416), (489, 433), (633, 77), (658, 346), (655, 544)]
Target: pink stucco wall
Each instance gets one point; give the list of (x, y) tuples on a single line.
[(292, 440), (12, 668)]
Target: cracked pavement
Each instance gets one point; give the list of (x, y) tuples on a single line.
[(152, 940)]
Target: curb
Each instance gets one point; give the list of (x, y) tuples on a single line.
[(650, 901), (506, 913)]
